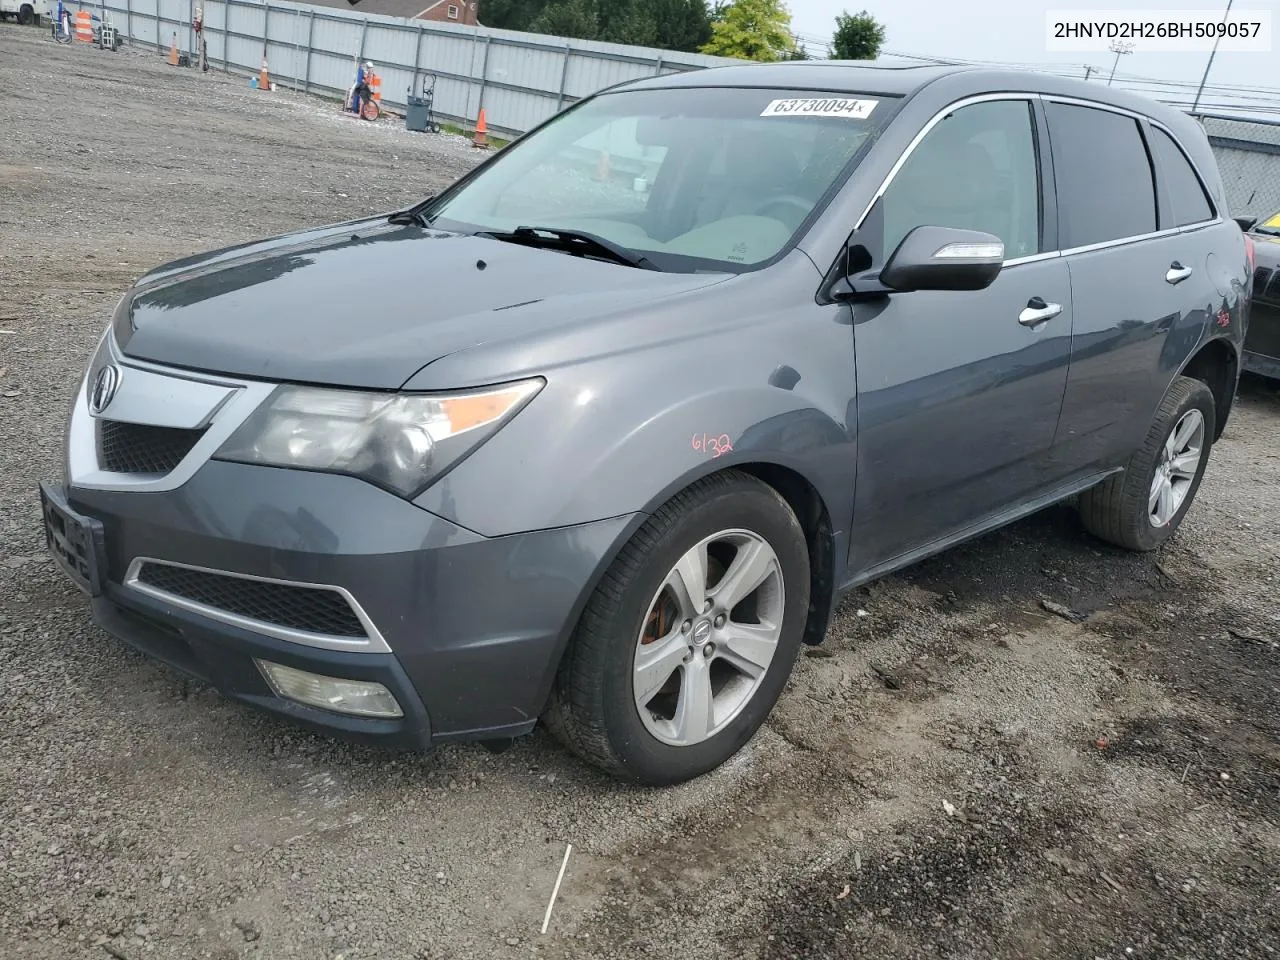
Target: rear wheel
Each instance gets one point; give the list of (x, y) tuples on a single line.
[(688, 641), (369, 110), (26, 13), (1143, 507)]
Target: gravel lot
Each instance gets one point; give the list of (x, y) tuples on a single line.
[(957, 772)]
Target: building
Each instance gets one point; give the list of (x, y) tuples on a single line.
[(464, 12)]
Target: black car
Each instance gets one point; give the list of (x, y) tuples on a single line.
[(1262, 345)]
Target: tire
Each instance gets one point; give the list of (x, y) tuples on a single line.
[(1119, 510), (594, 709), (26, 13)]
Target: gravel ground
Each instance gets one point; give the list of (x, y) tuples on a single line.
[(957, 771)]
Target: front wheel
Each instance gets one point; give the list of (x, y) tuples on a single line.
[(1143, 507), (688, 641), (26, 13)]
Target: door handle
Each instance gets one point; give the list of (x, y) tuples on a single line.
[(1037, 312), (1177, 273)]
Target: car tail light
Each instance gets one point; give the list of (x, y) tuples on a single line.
[(1248, 252)]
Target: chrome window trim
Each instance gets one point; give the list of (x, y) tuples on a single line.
[(1053, 98), (373, 643), (1033, 258)]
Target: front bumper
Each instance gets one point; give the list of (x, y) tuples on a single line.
[(471, 628), (1262, 342), (208, 565)]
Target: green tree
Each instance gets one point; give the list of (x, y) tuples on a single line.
[(680, 24), (568, 18), (857, 37), (510, 14), (752, 30)]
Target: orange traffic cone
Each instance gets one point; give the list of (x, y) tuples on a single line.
[(481, 138), (173, 50), (264, 78)]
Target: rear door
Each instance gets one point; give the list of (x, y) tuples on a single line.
[(1134, 225), (959, 392)]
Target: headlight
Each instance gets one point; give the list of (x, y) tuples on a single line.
[(399, 441)]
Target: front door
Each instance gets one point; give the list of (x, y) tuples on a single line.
[(959, 393)]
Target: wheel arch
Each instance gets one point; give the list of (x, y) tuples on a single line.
[(800, 494), (1217, 365)]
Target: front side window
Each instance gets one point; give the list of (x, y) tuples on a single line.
[(976, 169), (691, 179), (1103, 175)]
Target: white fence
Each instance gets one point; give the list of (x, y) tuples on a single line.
[(520, 79)]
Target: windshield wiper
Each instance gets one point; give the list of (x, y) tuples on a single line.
[(573, 241)]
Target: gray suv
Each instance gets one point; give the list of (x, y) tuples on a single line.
[(600, 434)]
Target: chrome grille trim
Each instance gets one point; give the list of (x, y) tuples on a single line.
[(174, 398), (372, 643)]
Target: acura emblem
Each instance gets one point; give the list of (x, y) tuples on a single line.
[(104, 388)]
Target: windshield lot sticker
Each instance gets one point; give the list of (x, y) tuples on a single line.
[(830, 107)]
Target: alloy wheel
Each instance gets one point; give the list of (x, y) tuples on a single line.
[(1177, 469), (710, 633)]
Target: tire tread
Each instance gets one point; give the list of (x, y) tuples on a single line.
[(575, 712), (1116, 509)]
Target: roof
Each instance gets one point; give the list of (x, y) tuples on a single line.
[(866, 77)]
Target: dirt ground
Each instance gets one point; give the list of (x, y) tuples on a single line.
[(957, 772)]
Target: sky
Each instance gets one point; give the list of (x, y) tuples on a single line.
[(1013, 31)]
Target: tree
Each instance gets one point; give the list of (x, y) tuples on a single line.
[(510, 14), (752, 30), (799, 53), (567, 18), (680, 24), (857, 37)]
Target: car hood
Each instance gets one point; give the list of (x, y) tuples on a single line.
[(367, 303)]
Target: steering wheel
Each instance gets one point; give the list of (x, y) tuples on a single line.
[(801, 205)]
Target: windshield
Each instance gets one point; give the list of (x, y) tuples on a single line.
[(1270, 226), (689, 179)]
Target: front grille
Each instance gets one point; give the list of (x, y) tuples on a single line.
[(139, 448), (309, 609)]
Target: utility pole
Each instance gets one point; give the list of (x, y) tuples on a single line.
[(1087, 70), (1118, 47), (1208, 66)]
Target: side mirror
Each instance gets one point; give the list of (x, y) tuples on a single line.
[(1246, 223), (942, 258)]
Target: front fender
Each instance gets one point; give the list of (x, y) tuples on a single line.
[(621, 434)]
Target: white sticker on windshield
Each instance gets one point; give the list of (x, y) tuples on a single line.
[(829, 107)]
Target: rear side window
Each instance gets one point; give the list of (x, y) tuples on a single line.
[(1187, 198), (1105, 186)]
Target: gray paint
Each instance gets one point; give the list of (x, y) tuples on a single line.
[(917, 420)]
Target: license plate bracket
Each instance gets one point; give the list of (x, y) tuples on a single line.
[(76, 541)]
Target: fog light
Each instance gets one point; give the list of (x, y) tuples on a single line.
[(363, 698)]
